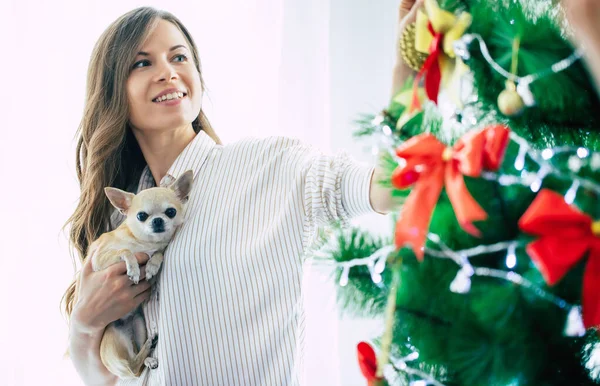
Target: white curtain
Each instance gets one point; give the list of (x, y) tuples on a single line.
[(272, 67)]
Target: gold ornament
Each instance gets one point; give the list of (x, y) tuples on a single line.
[(510, 102), (413, 58)]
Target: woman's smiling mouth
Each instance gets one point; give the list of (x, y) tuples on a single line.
[(170, 97)]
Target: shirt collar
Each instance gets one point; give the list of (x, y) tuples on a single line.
[(192, 157)]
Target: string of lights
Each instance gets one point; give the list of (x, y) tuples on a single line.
[(376, 264), (461, 48)]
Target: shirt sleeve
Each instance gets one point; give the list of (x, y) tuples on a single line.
[(336, 188)]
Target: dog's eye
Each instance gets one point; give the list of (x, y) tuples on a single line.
[(171, 212), (142, 216)]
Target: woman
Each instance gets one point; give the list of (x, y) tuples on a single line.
[(230, 285)]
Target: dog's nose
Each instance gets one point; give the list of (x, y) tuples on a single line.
[(158, 225)]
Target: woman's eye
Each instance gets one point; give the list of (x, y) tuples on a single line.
[(180, 58), (141, 63)]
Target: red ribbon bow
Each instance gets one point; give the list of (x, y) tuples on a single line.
[(431, 70), (566, 235), (430, 165), (367, 360)]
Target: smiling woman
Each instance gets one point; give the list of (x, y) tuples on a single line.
[(230, 306), (265, 69), (120, 120)]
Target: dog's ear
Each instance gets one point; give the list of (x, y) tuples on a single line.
[(119, 199), (183, 185)]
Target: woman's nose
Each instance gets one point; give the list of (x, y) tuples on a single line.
[(165, 72)]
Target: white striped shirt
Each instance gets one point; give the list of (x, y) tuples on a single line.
[(227, 305)]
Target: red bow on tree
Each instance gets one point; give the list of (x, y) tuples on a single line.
[(430, 166), (367, 360), (566, 236)]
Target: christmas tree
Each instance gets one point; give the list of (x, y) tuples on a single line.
[(491, 275)]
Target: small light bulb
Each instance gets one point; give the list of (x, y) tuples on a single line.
[(572, 192), (344, 278), (413, 356), (520, 160), (376, 278), (582, 152), (547, 154), (539, 179), (537, 184), (595, 161), (511, 260)]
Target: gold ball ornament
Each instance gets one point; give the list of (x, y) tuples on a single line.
[(413, 58), (510, 102)]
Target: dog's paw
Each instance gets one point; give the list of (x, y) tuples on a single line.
[(152, 268), (151, 363), (134, 274)]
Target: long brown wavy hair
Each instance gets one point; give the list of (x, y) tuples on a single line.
[(107, 153)]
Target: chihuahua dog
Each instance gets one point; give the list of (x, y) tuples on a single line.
[(152, 216)]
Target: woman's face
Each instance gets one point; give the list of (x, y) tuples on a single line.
[(164, 89)]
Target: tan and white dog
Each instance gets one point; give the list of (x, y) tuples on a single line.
[(152, 217)]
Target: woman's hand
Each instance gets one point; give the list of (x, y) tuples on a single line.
[(407, 13), (107, 295), (102, 297), (584, 18)]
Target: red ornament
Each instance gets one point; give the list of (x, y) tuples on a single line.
[(566, 235), (431, 166), (367, 360)]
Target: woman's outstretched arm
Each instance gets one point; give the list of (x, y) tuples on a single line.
[(381, 199)]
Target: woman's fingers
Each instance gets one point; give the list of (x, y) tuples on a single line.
[(109, 294), (87, 267), (142, 297), (140, 288), (408, 10), (406, 5)]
